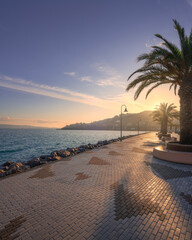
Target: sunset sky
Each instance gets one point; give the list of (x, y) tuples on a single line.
[(67, 61)]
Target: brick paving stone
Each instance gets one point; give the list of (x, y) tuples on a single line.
[(116, 193)]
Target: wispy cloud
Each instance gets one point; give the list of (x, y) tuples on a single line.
[(5, 118), (54, 92), (106, 69), (111, 77), (86, 79), (27, 121), (104, 76), (111, 81), (108, 77), (72, 74), (147, 45), (46, 121), (49, 91), (154, 43), (189, 2), (124, 99)]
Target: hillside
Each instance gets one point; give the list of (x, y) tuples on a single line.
[(130, 122)]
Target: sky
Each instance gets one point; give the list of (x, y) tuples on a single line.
[(67, 61)]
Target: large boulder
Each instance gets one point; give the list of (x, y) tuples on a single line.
[(25, 167), (54, 153), (34, 162), (2, 173), (14, 167), (7, 164), (44, 157), (80, 150), (6, 168), (56, 158), (72, 150), (64, 153)]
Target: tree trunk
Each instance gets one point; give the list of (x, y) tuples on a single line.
[(161, 128), (164, 126), (185, 93)]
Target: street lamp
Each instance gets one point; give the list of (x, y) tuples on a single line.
[(146, 126), (138, 124), (122, 118)]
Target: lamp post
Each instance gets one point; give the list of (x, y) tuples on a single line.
[(138, 124), (146, 127), (122, 118)]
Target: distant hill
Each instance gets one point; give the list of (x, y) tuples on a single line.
[(130, 122)]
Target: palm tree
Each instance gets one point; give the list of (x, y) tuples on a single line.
[(169, 64), (165, 114)]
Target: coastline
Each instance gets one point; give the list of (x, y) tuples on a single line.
[(9, 168), (18, 145)]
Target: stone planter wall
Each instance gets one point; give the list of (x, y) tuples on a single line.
[(176, 146)]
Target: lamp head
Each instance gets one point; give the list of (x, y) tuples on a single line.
[(125, 109)]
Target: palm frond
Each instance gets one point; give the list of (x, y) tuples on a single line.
[(172, 47), (166, 64)]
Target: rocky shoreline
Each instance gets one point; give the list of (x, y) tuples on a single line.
[(9, 168)]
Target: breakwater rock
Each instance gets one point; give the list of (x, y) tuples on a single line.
[(9, 167)]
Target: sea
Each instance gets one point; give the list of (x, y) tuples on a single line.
[(24, 144)]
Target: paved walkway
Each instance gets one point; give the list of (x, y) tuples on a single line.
[(116, 192)]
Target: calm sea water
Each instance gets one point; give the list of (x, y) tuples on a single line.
[(23, 144)]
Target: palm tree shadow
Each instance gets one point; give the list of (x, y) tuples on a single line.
[(178, 177), (137, 196), (122, 208), (130, 200)]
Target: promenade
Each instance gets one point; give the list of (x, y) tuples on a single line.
[(116, 192)]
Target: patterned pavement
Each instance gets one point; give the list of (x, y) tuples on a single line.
[(116, 192)]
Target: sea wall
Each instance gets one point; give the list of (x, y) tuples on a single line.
[(9, 168)]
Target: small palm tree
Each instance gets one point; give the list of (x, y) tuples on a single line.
[(169, 64), (165, 114)]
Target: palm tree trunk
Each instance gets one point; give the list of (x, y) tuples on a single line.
[(185, 94), (164, 126), (161, 129)]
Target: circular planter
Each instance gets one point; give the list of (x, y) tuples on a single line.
[(172, 156), (176, 146)]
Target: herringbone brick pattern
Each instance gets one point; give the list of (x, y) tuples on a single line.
[(113, 193)]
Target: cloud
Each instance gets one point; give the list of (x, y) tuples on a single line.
[(105, 82), (5, 118), (46, 121), (109, 77), (86, 79), (111, 81), (106, 70), (189, 2), (124, 99), (72, 74), (25, 121), (54, 92), (155, 43), (115, 101), (147, 45)]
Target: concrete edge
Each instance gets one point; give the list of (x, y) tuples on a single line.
[(172, 156)]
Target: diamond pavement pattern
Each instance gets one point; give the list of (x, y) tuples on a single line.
[(117, 192)]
